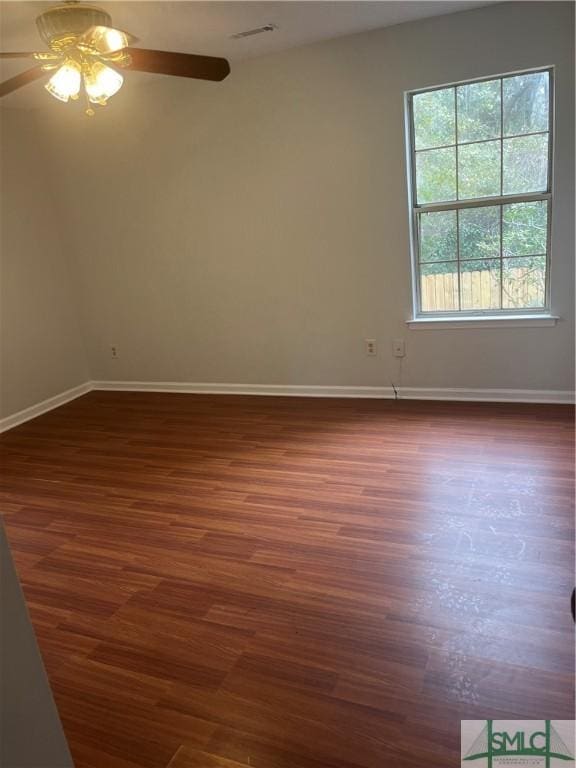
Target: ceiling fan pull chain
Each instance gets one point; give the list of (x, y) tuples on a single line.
[(89, 108)]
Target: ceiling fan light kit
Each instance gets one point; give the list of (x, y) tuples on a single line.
[(81, 39), (85, 50)]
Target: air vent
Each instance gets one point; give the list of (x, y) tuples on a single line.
[(256, 31)]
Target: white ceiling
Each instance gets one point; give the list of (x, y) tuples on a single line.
[(206, 27)]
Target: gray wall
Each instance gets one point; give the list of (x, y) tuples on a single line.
[(256, 231), (41, 350)]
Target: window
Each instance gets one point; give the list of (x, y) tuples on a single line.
[(480, 168)]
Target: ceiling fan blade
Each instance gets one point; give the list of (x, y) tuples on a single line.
[(16, 55), (106, 39), (22, 79), (47, 57), (178, 64)]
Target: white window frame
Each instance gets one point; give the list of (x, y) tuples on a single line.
[(426, 318)]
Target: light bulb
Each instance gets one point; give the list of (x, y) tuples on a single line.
[(65, 83), (106, 39), (115, 40), (101, 82)]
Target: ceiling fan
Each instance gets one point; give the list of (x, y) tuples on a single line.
[(83, 44)]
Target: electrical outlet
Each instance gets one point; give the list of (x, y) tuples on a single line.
[(370, 346), (114, 352), (399, 348)]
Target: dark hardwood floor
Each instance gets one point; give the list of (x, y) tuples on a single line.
[(224, 582)]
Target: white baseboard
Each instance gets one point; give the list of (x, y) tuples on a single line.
[(489, 395), (46, 405), (291, 390), (298, 390), (278, 390)]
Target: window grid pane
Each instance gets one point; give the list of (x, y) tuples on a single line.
[(438, 236), (502, 154), (439, 286), (524, 282), (501, 157), (481, 284), (525, 160), (527, 101), (456, 151), (458, 256), (501, 226), (479, 111), (479, 170), (436, 174)]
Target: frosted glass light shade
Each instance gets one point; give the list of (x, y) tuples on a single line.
[(65, 83), (101, 82), (107, 39)]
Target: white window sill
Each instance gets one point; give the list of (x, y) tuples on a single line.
[(482, 321)]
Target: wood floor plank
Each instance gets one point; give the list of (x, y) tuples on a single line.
[(234, 582)]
